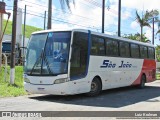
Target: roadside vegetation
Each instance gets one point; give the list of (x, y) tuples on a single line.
[(158, 76), (7, 90), (29, 29)]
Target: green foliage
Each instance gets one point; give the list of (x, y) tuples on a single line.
[(158, 53), (12, 90), (29, 29), (151, 14), (157, 76), (158, 31), (137, 37), (9, 27), (66, 2), (145, 19)]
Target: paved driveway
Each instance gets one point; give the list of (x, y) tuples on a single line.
[(121, 99)]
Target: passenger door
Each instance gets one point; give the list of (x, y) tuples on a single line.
[(79, 56)]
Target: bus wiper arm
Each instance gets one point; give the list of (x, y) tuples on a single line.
[(41, 57), (37, 61), (46, 61)]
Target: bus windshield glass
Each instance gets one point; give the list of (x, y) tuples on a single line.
[(48, 54)]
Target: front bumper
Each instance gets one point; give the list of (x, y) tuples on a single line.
[(55, 89)]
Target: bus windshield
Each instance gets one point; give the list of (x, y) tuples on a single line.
[(48, 54)]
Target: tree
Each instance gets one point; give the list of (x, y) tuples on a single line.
[(66, 2), (158, 53), (158, 31), (63, 3), (137, 37), (145, 19)]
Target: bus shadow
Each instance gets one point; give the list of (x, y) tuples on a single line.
[(114, 98)]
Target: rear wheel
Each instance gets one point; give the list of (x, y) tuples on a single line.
[(96, 87), (143, 81)]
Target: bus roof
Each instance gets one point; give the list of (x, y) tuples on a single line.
[(46, 31), (99, 34), (6, 41)]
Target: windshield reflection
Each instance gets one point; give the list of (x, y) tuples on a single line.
[(52, 57)]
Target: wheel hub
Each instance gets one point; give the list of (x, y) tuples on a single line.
[(93, 87)]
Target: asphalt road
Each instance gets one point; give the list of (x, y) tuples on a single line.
[(121, 99)]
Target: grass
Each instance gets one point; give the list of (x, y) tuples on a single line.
[(7, 90), (158, 76), (29, 29)]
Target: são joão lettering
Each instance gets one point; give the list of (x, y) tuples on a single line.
[(109, 64)]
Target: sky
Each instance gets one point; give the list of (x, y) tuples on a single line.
[(87, 14)]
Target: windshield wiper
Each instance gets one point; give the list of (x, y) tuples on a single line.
[(37, 61), (46, 61), (41, 57)]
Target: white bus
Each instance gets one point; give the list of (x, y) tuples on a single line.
[(81, 61)]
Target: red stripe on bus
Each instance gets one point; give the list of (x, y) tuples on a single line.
[(149, 69)]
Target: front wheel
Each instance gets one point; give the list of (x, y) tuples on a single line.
[(96, 87)]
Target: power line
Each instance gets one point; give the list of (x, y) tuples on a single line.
[(87, 5), (64, 12), (100, 5), (94, 3), (71, 23), (57, 19), (42, 15)]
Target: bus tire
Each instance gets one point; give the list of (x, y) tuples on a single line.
[(143, 81), (96, 87)]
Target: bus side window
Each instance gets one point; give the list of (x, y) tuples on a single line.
[(143, 51), (151, 53), (135, 51), (98, 47), (112, 48), (124, 49)]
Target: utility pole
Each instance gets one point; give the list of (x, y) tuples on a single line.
[(24, 31), (103, 15), (153, 31), (159, 28), (12, 71), (119, 18), (2, 11), (44, 20), (1, 29), (49, 26)]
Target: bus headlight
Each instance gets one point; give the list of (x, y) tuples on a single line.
[(26, 80), (58, 81)]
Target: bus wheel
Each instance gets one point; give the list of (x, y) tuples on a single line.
[(143, 81), (96, 87)]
